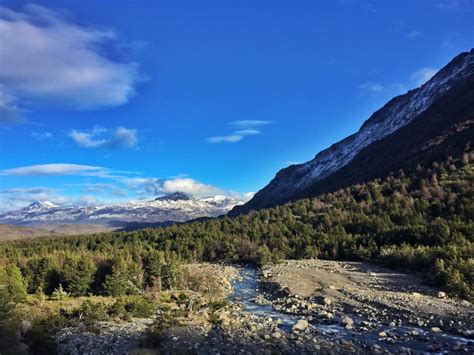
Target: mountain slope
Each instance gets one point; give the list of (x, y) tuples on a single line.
[(176, 207), (420, 125)]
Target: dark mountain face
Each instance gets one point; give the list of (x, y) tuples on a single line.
[(419, 127)]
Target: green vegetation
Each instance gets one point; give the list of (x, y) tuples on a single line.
[(420, 222)]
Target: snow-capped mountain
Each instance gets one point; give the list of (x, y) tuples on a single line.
[(176, 207), (297, 180)]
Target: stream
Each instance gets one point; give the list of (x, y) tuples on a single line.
[(247, 288)]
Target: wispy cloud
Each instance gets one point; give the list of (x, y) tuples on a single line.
[(102, 188), (57, 169), (247, 132), (19, 197), (9, 111), (414, 34), (371, 87), (42, 135), (250, 123), (50, 60), (422, 75), (233, 138), (100, 137), (244, 128), (448, 4)]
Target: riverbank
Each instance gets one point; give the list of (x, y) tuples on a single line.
[(297, 307)]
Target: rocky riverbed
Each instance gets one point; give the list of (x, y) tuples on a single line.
[(373, 307), (297, 307)]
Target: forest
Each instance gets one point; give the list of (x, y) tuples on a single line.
[(419, 222)]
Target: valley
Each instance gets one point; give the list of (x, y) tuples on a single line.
[(366, 249)]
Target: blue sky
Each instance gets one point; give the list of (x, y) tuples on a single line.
[(110, 101)]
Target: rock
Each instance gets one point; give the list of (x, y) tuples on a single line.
[(267, 337), (414, 333), (300, 325), (382, 334), (441, 294), (392, 325), (346, 343), (327, 301), (416, 295), (276, 335), (224, 316), (347, 322), (435, 330)]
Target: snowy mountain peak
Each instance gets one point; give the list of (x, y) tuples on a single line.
[(175, 196), (176, 207), (39, 205)]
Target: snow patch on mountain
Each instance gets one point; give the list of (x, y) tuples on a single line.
[(395, 114), (175, 207)]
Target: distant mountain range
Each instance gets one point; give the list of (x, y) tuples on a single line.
[(419, 127), (176, 207)]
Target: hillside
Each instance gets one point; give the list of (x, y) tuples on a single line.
[(420, 221), (422, 126)]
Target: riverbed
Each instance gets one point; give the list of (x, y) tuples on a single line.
[(248, 287)]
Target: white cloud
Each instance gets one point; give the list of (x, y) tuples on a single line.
[(56, 169), (247, 132), (247, 196), (189, 186), (233, 138), (47, 59), (371, 87), (422, 75), (99, 137), (247, 128), (154, 186)]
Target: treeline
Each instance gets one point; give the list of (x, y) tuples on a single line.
[(420, 221)]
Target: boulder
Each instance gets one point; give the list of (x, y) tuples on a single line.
[(441, 294), (347, 322), (300, 325)]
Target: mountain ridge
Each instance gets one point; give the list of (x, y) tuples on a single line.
[(176, 207), (297, 181)]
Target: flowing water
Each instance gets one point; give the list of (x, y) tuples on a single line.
[(247, 288)]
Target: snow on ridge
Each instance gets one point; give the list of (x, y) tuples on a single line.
[(154, 211), (399, 112)]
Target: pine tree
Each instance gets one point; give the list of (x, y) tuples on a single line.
[(117, 282), (12, 289)]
